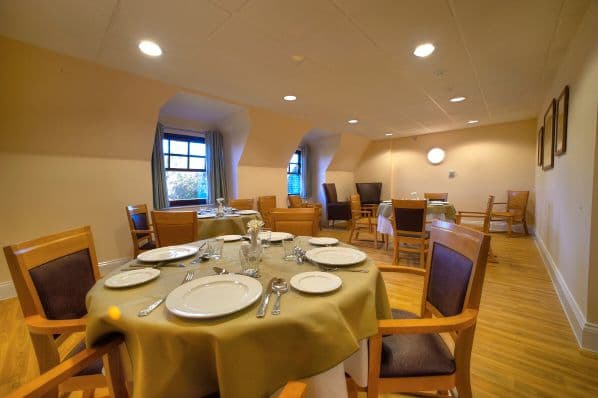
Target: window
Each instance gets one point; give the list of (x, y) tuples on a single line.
[(294, 174), (185, 165)]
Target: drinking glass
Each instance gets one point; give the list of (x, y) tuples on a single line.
[(289, 249), (214, 249), (250, 257), (265, 236)]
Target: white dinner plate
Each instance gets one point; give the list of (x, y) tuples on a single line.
[(322, 241), (279, 236), (335, 256), (229, 238), (316, 282), (132, 278), (246, 212), (207, 215), (213, 296), (167, 253)]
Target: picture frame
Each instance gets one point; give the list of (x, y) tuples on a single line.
[(562, 116), (540, 145), (548, 137)]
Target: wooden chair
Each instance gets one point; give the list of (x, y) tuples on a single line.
[(407, 354), (175, 227), (50, 380), (301, 222), (516, 208), (485, 216), (52, 275), (409, 228), (436, 196), (361, 220), (241, 204), (141, 230), (296, 202), (265, 204)]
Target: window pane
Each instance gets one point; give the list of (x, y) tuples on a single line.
[(294, 168), (186, 185), (165, 146), (197, 163), (197, 149), (178, 147), (166, 161), (294, 158), (178, 162), (294, 184)]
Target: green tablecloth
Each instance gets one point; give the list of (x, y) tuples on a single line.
[(239, 355), (211, 227)]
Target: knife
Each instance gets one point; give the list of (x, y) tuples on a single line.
[(146, 311), (261, 311)]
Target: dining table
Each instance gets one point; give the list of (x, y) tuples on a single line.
[(434, 210), (209, 225), (315, 337)]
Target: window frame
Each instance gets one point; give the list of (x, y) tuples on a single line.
[(299, 163)]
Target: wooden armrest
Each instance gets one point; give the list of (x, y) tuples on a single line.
[(499, 203), (428, 325), (66, 369), (142, 231), (39, 325), (293, 389), (399, 268)]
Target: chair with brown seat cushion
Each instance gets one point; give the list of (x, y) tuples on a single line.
[(409, 229), (407, 355), (299, 222), (265, 204), (516, 209), (436, 196), (335, 210), (141, 228), (241, 204), (175, 227), (362, 220), (52, 276)]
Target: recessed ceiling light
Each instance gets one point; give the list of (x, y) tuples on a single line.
[(289, 98), (388, 134), (423, 50), (472, 121), (150, 48), (353, 121), (457, 99)]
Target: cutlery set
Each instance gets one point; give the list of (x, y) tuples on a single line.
[(145, 311), (278, 286)]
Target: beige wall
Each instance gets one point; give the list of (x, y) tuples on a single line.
[(259, 181), (486, 159), (567, 204)]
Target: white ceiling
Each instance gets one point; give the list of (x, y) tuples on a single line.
[(356, 54)]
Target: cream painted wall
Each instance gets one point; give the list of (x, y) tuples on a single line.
[(235, 130), (344, 182), (262, 181), (567, 203), (487, 160)]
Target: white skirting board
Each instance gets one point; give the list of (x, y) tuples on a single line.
[(7, 289), (585, 332)]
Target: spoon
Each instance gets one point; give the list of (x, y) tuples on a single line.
[(280, 286)]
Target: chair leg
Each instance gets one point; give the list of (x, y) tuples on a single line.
[(395, 257), (510, 223), (422, 256), (525, 227), (351, 234), (376, 239)]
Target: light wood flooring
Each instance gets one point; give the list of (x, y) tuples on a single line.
[(523, 346)]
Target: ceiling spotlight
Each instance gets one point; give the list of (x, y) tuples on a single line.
[(353, 121), (388, 134), (289, 98), (457, 99), (423, 50), (150, 48), (472, 121)]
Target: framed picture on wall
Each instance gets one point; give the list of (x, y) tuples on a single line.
[(540, 145), (548, 137), (562, 114)]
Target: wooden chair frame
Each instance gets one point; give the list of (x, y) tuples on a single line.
[(265, 204), (242, 204), (486, 216), (358, 213), (460, 328), (417, 238), (137, 242), (21, 258), (281, 216), (509, 215), (439, 196), (174, 219)]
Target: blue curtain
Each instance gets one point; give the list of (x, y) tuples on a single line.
[(158, 172), (305, 172), (215, 166)]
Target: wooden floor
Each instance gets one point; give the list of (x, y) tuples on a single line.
[(523, 344)]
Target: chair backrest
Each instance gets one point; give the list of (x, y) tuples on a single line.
[(455, 269), (295, 201), (409, 216), (53, 274), (265, 204), (355, 206), (489, 206), (436, 196), (175, 227), (369, 192), (517, 203), (330, 192), (295, 221), (241, 204)]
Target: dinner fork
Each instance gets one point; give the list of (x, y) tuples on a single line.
[(145, 311), (334, 269)]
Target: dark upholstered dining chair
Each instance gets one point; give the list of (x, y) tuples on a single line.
[(407, 355), (52, 275), (409, 227), (369, 192), (335, 210), (141, 229)]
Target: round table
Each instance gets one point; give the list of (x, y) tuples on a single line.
[(227, 225), (240, 355)]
